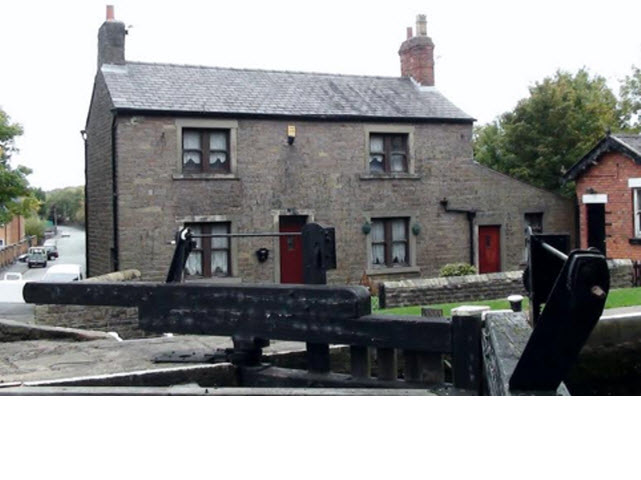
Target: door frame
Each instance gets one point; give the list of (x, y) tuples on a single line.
[(276, 214)]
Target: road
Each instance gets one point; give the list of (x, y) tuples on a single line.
[(71, 249)]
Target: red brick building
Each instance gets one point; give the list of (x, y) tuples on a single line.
[(608, 189), (12, 232)]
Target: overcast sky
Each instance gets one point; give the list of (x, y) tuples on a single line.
[(487, 52)]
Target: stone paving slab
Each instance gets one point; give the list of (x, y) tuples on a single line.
[(41, 360)]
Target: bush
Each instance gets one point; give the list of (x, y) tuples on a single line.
[(35, 226), (457, 270)]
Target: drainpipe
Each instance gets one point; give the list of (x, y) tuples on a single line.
[(114, 192), (471, 215), (83, 134)]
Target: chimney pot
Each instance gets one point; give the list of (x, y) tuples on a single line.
[(409, 33), (417, 54), (421, 25), (110, 13)]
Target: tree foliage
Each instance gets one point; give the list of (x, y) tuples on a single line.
[(66, 204), (550, 130), (16, 198), (630, 93)]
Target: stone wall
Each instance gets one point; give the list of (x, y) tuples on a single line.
[(123, 320), (429, 291), (324, 176)]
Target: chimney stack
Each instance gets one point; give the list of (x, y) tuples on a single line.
[(417, 54), (111, 40)]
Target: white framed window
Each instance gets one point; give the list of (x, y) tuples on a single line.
[(636, 194)]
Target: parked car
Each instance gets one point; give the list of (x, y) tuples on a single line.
[(23, 258), (13, 276), (65, 272), (52, 248), (37, 256)]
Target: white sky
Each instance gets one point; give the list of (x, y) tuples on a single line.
[(487, 52)]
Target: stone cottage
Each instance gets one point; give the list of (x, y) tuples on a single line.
[(387, 161), (608, 190)]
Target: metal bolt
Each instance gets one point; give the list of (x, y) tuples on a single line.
[(597, 291)]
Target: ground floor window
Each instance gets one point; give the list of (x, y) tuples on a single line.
[(212, 256), (535, 221), (636, 193), (390, 242)]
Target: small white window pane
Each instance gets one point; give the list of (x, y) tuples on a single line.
[(376, 144), (376, 163), (218, 159), (219, 264), (637, 212), (191, 141), (378, 231), (191, 159), (194, 265), (197, 230), (219, 242), (398, 230), (397, 143), (378, 255), (218, 141), (397, 162), (399, 254)]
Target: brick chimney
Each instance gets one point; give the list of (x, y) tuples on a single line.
[(417, 54), (111, 40)]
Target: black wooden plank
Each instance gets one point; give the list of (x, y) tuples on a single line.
[(316, 301), (466, 351), (391, 331)]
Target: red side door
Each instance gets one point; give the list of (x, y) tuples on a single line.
[(489, 249), (291, 249)]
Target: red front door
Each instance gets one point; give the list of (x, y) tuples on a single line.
[(490, 249), (291, 249)]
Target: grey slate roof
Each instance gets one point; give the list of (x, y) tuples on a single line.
[(629, 145), (184, 88)]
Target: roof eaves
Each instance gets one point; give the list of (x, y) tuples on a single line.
[(611, 143)]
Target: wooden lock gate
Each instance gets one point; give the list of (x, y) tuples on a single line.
[(408, 349)]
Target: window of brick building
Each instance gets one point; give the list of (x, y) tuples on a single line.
[(637, 211), (212, 256), (390, 242), (206, 151), (534, 220), (387, 153)]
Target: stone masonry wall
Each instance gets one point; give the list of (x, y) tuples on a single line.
[(99, 182), (323, 175), (123, 320), (430, 291)]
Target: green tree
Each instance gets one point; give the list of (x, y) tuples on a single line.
[(16, 198), (547, 132), (630, 108), (35, 226), (66, 204)]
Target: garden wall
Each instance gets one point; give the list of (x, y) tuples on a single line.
[(429, 291)]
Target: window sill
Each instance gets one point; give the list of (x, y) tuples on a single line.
[(635, 241), (389, 176), (204, 176), (391, 271)]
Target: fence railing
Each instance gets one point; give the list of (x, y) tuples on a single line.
[(9, 253)]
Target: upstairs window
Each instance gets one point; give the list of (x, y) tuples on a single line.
[(387, 153), (390, 242), (212, 255), (205, 151), (535, 221), (637, 212)]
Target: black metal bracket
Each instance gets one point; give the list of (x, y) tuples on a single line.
[(573, 289)]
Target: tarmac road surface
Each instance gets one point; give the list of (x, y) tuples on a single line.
[(71, 249)]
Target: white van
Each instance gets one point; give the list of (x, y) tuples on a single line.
[(65, 272)]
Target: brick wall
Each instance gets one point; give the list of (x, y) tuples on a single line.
[(99, 182), (610, 176), (323, 174), (123, 320)]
